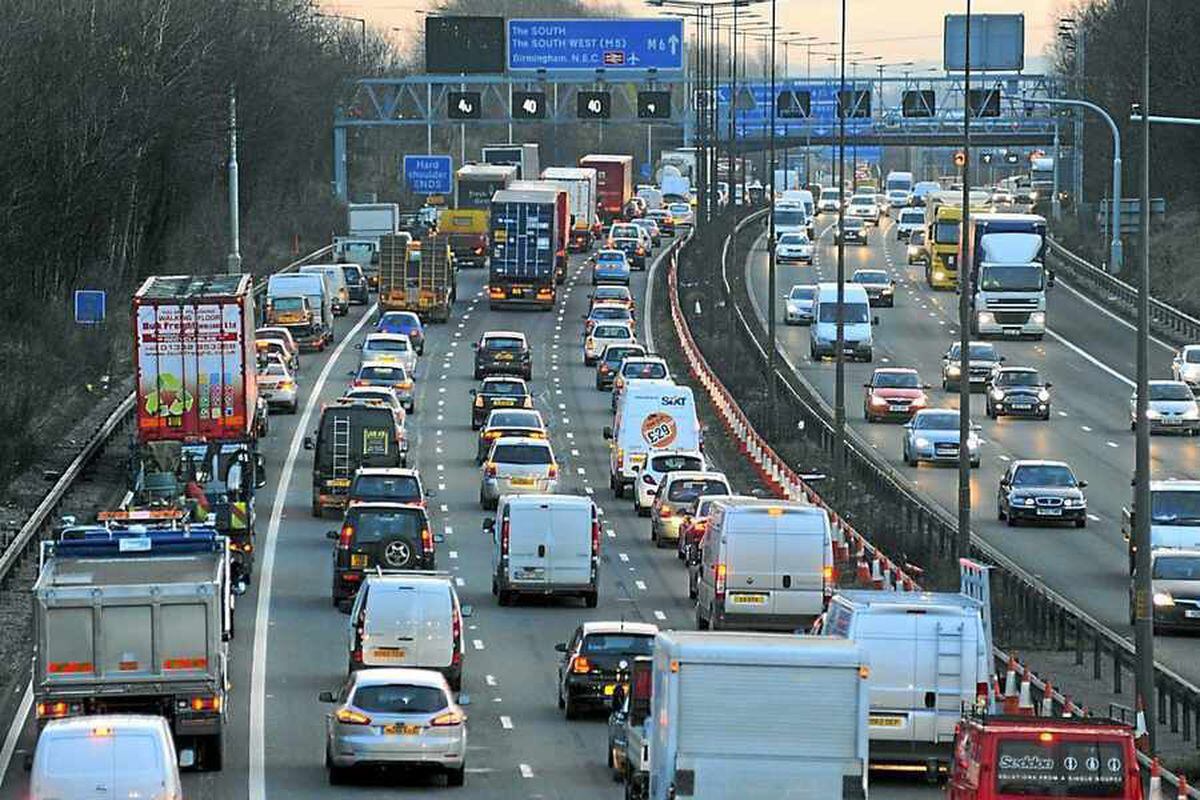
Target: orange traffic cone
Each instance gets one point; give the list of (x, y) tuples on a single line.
[(1155, 781), (1047, 709), (1025, 703), (1183, 789), (1010, 686)]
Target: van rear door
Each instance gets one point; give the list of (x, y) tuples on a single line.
[(891, 640), (394, 624), (140, 765), (569, 561), (750, 565), (529, 540), (435, 638), (798, 585), (75, 765)]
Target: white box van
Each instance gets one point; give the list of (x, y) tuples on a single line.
[(649, 417), (858, 339), (930, 657), (336, 281), (408, 619), (764, 565), (757, 716), (545, 544), (107, 755)]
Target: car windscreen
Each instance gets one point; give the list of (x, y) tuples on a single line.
[(521, 454), (396, 323), (382, 373), (946, 233), (977, 352), (505, 388), (853, 313), (1018, 378), (619, 312), (941, 421), (1170, 391), (374, 525), (870, 277), (389, 488), (911, 218), (611, 257), (897, 380), (862, 200), (686, 491), (624, 232), (287, 303), (853, 223), (1192, 357), (611, 293), (1012, 278), (615, 355), (515, 419), (1043, 475), (611, 332), (274, 369), (1060, 768), (387, 345), (399, 699), (652, 370), (617, 644), (789, 217), (830, 194), (793, 238), (502, 343), (352, 274), (1177, 568), (675, 463), (802, 293), (1168, 507)]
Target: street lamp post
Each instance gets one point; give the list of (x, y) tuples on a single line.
[(362, 22), (839, 402), (964, 311)]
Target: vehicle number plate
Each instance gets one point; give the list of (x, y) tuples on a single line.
[(609, 688), (1049, 512), (750, 599), (1170, 421), (506, 356), (521, 481), (897, 408), (1192, 613), (359, 560), (398, 728), (340, 482), (886, 721), (499, 403), (1012, 331), (388, 653)]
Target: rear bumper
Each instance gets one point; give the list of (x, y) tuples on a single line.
[(788, 623), (590, 689), (543, 589), (884, 751)]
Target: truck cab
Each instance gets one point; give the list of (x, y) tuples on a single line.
[(1007, 255), (944, 226)]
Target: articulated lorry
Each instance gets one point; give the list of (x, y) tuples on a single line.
[(417, 276), (467, 223), (614, 183), (136, 620), (562, 223), (523, 156), (525, 239), (580, 185), (1008, 275)]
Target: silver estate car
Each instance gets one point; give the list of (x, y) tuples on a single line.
[(391, 716), (932, 435), (517, 465)]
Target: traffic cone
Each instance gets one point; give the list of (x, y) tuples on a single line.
[(876, 573), (1068, 706), (1183, 788), (1025, 703), (1010, 686), (864, 572), (1155, 781), (1047, 709), (1141, 734)]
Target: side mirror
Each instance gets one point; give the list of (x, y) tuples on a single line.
[(608, 432), (331, 535), (350, 373), (874, 320), (866, 386), (975, 426), (358, 347), (326, 697), (637, 467), (1049, 385), (561, 647), (926, 386), (308, 443), (1003, 358), (1081, 484)]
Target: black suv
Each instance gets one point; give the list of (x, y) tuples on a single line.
[(610, 362), (503, 353), (385, 535), (498, 392)]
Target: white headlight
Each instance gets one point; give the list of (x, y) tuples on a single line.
[(1029, 501), (1044, 396), (1163, 599), (1038, 317), (997, 394), (1152, 414), (922, 442)]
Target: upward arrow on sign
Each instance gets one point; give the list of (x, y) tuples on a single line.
[(674, 42)]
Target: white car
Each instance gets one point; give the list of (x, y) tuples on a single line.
[(682, 214), (652, 472), (1186, 366), (910, 220), (898, 198), (799, 309), (830, 199), (277, 385), (605, 333), (389, 348), (794, 247), (864, 207), (1172, 407), (517, 465)]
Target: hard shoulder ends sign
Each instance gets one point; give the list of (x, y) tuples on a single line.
[(610, 44), (428, 174)]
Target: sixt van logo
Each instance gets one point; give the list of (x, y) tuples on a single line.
[(674, 401)]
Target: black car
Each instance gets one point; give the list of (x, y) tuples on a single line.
[(357, 287), (499, 392), (587, 674), (388, 485), (610, 361), (982, 358), (503, 353), (384, 535), (634, 251), (1041, 491), (881, 289), (855, 230), (1018, 392)]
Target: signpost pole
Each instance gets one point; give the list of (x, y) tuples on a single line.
[(963, 539)]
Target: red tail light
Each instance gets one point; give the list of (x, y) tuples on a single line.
[(595, 537), (981, 693), (552, 473), (345, 536), (719, 580), (504, 538), (358, 382), (642, 684), (426, 540), (448, 719), (457, 633), (664, 512), (206, 703), (490, 470)]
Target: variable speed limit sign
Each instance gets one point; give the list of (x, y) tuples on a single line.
[(593, 105)]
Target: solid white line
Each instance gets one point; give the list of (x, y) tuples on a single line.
[(1086, 356), (262, 611), (1108, 313), (14, 730)]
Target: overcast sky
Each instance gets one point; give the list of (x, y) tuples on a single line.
[(896, 30)]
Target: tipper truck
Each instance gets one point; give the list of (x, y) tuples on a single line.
[(523, 156), (562, 223), (525, 240), (614, 183), (136, 620), (799, 729), (580, 183), (467, 223), (417, 276)]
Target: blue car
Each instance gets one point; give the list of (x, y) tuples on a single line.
[(405, 322), (611, 266)]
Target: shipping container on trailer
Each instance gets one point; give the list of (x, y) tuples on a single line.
[(614, 183), (524, 246)]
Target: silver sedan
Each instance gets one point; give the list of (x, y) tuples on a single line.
[(932, 435), (386, 717)]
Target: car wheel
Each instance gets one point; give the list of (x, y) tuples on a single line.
[(293, 407), (1081, 522), (618, 489), (504, 597), (478, 375), (1008, 518), (570, 709), (456, 777), (908, 460), (529, 374), (338, 776)]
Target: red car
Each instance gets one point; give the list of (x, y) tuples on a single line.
[(695, 523), (893, 393)]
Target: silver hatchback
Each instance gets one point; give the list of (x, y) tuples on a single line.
[(517, 465), (395, 717)]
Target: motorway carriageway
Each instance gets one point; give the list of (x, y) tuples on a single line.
[(1088, 354), (291, 643)]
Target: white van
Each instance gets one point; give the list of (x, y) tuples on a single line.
[(339, 291), (408, 619), (930, 657), (649, 417), (802, 196), (107, 755), (859, 341), (545, 544), (764, 565)]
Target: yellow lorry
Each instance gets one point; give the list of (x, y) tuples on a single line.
[(943, 223)]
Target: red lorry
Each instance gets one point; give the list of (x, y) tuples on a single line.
[(194, 358), (614, 183)]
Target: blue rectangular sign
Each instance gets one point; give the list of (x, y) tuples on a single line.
[(755, 101), (609, 44), (429, 174), (90, 306)]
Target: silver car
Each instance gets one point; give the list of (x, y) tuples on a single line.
[(1172, 408), (799, 310), (1186, 366), (391, 348), (932, 435), (392, 716), (517, 465)]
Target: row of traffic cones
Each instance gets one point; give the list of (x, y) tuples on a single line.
[(1156, 784)]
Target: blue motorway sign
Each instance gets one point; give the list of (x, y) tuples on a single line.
[(609, 44), (755, 101), (90, 306), (429, 174)]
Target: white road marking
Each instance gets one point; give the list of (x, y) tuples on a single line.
[(580, 471), (1112, 444), (588, 489), (257, 780), (623, 556), (445, 508), (1093, 517), (454, 554), (459, 582), (506, 722), (640, 585), (477, 643), (658, 615), (1085, 428), (14, 730), (490, 680), (448, 530), (526, 770)]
